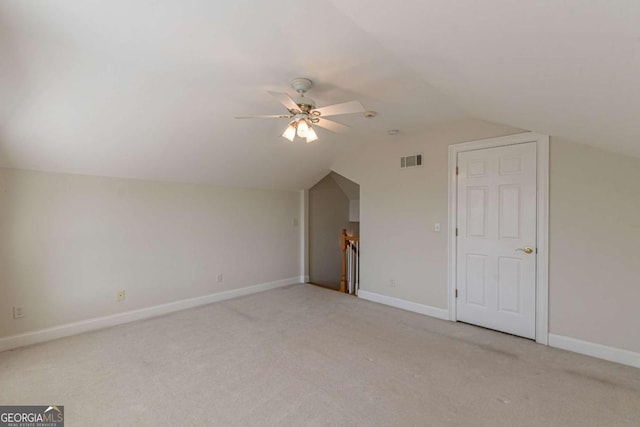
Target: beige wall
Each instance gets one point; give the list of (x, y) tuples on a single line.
[(595, 202), (69, 242), (399, 207), (594, 266)]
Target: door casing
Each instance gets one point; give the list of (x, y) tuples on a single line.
[(542, 231)]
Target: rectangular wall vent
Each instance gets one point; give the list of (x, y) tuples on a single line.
[(411, 161)]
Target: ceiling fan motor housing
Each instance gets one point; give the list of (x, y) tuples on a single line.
[(305, 104), (302, 85)]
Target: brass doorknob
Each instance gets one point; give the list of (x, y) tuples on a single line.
[(526, 250)]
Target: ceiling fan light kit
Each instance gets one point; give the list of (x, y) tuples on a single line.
[(304, 113), (311, 135), (290, 132), (301, 128)]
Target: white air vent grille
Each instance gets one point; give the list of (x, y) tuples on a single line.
[(411, 161)]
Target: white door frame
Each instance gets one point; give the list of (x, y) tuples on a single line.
[(542, 232)]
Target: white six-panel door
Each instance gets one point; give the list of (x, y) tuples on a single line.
[(496, 220)]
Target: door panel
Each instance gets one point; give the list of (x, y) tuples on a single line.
[(509, 284), (496, 216), (477, 212), (509, 212), (476, 268)]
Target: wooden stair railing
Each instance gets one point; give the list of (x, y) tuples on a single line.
[(350, 263)]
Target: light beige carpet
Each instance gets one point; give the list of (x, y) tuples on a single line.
[(304, 355)]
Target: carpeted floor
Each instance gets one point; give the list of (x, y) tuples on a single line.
[(304, 355)]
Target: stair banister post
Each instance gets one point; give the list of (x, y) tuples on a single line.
[(343, 248)]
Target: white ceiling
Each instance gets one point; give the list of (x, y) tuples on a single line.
[(149, 88), (568, 68)]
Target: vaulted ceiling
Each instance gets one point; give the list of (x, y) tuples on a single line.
[(149, 88)]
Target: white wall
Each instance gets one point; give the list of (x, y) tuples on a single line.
[(69, 242), (594, 228)]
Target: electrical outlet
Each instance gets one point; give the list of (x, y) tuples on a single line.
[(120, 296), (18, 312), (392, 283), (295, 222), (220, 278), (436, 227)]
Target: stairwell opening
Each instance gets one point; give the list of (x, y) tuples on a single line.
[(334, 206)]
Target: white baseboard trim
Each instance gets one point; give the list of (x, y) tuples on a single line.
[(42, 335), (428, 310), (612, 354), (304, 279)]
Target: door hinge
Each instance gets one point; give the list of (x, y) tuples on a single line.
[(456, 293), (457, 170), (456, 231)]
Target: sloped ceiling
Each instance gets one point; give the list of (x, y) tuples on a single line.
[(568, 68), (148, 89), (350, 188)]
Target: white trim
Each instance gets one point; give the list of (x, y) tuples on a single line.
[(612, 354), (42, 335), (304, 279), (304, 234), (439, 313), (451, 233), (542, 244)]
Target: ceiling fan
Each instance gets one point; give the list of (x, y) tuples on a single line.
[(304, 113)]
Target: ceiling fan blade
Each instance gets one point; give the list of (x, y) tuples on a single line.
[(273, 116), (332, 126), (285, 100), (344, 108)]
